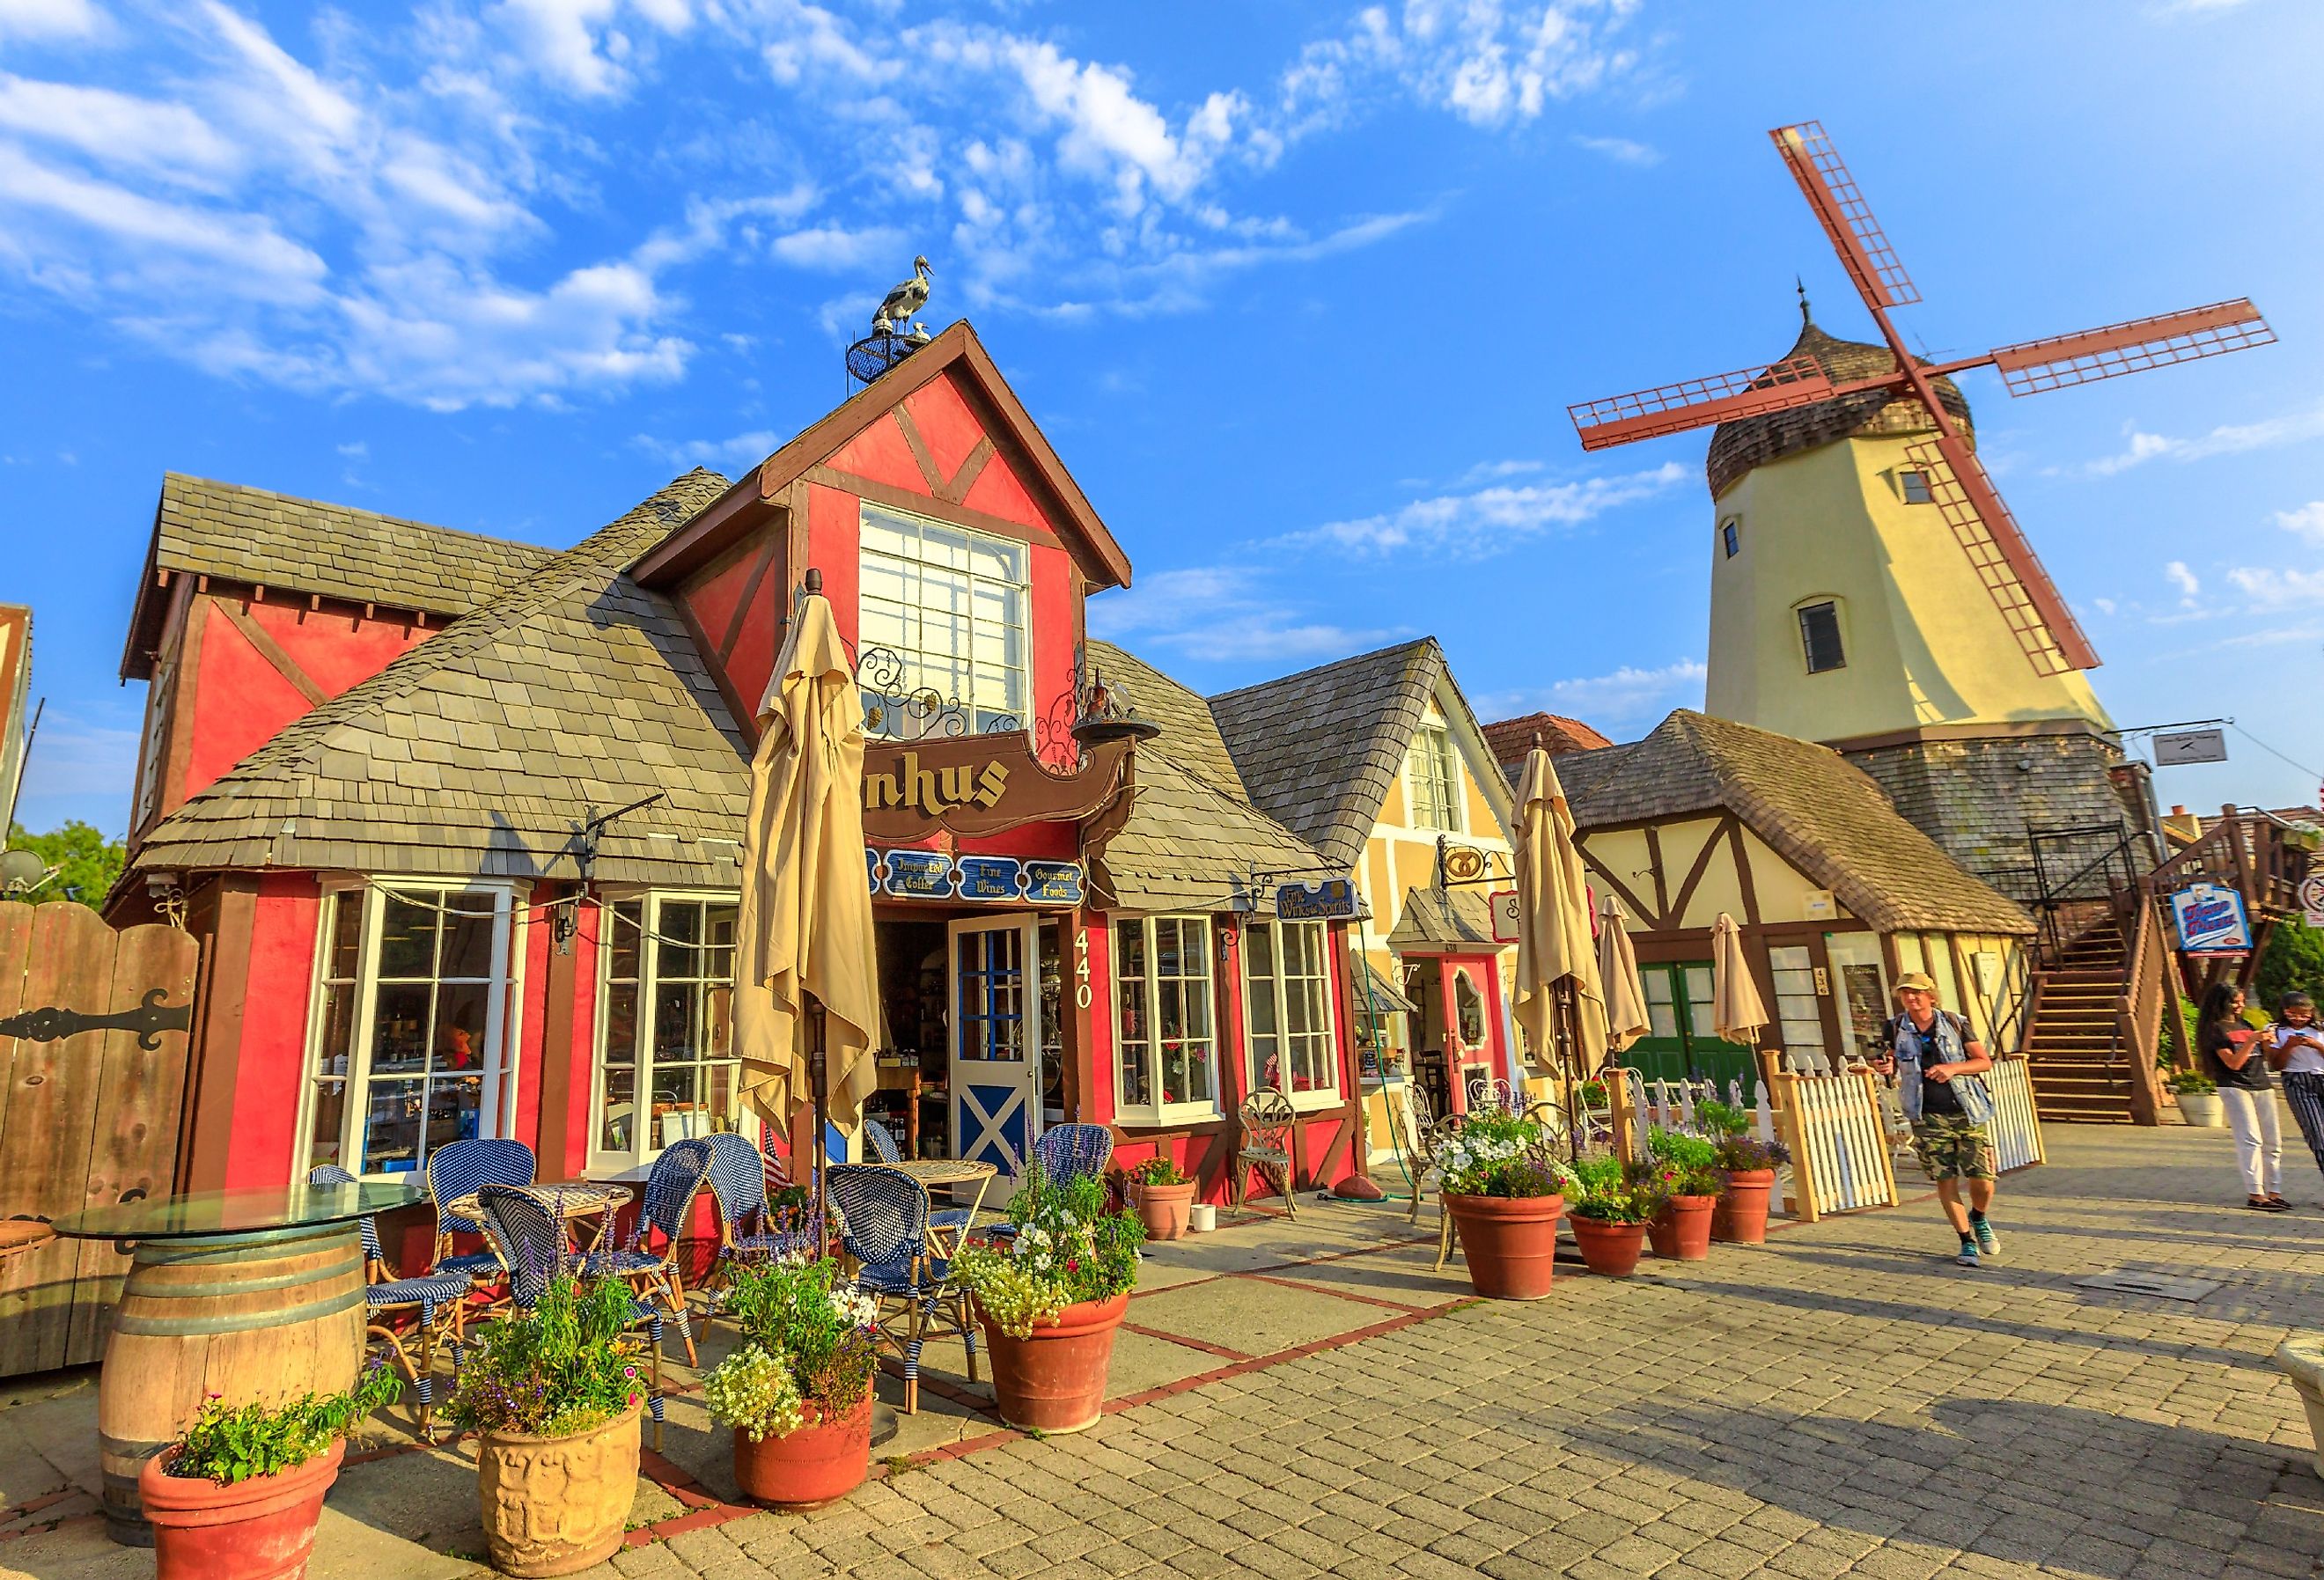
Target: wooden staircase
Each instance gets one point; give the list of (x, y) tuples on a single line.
[(2074, 1045)]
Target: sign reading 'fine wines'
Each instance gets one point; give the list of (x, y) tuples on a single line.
[(990, 880)]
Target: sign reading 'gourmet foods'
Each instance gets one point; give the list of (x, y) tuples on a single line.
[(980, 784)]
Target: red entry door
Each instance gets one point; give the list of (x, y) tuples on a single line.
[(1472, 1031)]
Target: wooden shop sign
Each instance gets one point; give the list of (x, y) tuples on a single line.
[(977, 785)]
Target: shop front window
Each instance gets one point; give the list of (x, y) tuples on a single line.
[(1287, 1004), (407, 1025), (666, 1062), (1166, 1044)]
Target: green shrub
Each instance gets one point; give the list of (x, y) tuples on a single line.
[(568, 1364), (1614, 1192), (1501, 1154), (1158, 1169), (2192, 1081), (1684, 1165), (232, 1443)]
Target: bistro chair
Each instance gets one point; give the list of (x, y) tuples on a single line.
[(437, 1296), (885, 1229), (1266, 1119), (528, 1240), (747, 1230), (881, 1142), (460, 1167), (1065, 1152), (672, 1184)]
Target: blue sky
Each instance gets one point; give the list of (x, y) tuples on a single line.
[(1300, 292)]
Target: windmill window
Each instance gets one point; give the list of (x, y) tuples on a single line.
[(1915, 487), (1731, 536), (1820, 637)]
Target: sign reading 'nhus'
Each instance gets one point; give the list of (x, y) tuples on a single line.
[(1332, 900), (2210, 919), (976, 785)]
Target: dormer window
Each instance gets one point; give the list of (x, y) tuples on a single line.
[(942, 627), (1435, 781), (1915, 486)]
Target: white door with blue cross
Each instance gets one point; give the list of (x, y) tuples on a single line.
[(996, 1043)]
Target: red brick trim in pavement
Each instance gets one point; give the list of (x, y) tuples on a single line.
[(1204, 1346), (1307, 1289)]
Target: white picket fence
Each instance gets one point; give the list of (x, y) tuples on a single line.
[(2016, 1127), (1671, 1103), (1841, 1160)]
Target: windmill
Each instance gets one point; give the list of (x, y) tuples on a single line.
[(1971, 506)]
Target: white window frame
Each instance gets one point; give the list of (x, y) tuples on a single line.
[(639, 1160), (1017, 679), (1159, 1112), (498, 1069), (1456, 792), (1277, 986)]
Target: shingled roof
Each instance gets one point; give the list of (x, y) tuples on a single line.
[(486, 748), (1512, 739), (306, 546), (1189, 733), (1813, 807), (1188, 846)]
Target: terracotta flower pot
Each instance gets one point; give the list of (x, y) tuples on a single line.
[(1510, 1242), (1055, 1380), (557, 1505), (1613, 1250), (1682, 1230), (824, 1459), (262, 1529), (1741, 1215), (2204, 1110), (1163, 1208)]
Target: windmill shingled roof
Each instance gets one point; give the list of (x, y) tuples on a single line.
[(1737, 447), (1812, 807)]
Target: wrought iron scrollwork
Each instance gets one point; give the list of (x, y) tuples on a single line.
[(149, 1020), (897, 710)]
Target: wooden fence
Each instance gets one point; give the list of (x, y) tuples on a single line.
[(93, 1029), (2016, 1127), (1840, 1158)]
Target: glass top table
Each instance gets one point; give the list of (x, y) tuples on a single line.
[(236, 1212)]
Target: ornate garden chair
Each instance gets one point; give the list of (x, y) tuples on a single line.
[(884, 1218), (1267, 1118), (436, 1295), (676, 1178)]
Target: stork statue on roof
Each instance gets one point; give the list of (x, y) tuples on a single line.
[(1869, 588), (894, 314)]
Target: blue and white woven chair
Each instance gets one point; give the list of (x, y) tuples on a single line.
[(460, 1167), (882, 1144), (527, 1241), (437, 1296), (747, 1231), (1067, 1151), (885, 1230), (676, 1178)]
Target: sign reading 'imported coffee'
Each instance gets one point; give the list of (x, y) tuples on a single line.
[(980, 784)]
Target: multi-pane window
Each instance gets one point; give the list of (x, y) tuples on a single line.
[(1731, 536), (665, 1063), (408, 1025), (1167, 1042), (1798, 1012), (1820, 637), (1286, 1003), (949, 605), (1915, 486), (1435, 777)]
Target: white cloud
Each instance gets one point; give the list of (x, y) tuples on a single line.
[(2308, 521), (729, 456), (2184, 579), (1489, 63), (75, 759), (2278, 589), (1488, 520), (357, 450), (1621, 150), (1628, 696), (1216, 615), (2103, 606), (2235, 439), (49, 19), (835, 248), (580, 44), (116, 128)]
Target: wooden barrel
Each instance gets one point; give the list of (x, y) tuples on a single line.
[(260, 1318)]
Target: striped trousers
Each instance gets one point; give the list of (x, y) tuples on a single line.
[(2305, 1093)]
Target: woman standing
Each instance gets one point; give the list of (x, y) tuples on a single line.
[(2296, 1050), (2231, 1056)]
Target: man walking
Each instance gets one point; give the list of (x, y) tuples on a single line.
[(1940, 1065)]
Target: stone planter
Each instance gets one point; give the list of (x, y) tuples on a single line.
[(1510, 1242), (823, 1460), (1610, 1249), (1741, 1215), (1682, 1230), (2203, 1110), (2302, 1358), (558, 1505), (262, 1529), (1163, 1208), (1053, 1380)]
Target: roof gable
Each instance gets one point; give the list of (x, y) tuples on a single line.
[(1190, 734)]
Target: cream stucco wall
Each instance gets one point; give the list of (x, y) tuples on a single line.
[(1926, 645), (1781, 889)]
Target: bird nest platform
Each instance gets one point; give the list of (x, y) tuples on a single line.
[(877, 354)]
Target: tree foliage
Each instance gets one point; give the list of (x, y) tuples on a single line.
[(86, 863), (2295, 958)]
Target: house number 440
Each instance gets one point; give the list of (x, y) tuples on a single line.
[(1081, 968)]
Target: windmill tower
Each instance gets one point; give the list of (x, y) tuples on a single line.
[(1869, 588)]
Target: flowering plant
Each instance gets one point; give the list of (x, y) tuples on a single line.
[(229, 1444), (1684, 1165), (1729, 1130), (1068, 1248), (1158, 1169), (807, 1338), (1496, 1153), (1615, 1192), (568, 1364)]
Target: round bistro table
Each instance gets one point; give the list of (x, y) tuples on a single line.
[(932, 1172), (252, 1295), (574, 1203)]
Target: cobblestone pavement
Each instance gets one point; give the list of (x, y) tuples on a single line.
[(1845, 1401)]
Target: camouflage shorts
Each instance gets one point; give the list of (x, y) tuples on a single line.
[(1951, 1148)]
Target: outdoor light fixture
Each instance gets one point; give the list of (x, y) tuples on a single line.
[(22, 872)]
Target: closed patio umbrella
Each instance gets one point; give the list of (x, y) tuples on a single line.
[(807, 975), (1553, 942), (1618, 970), (1736, 1012)]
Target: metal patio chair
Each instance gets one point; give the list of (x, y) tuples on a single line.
[(676, 1178), (1266, 1119), (436, 1296), (885, 1230), (456, 1170), (747, 1231), (528, 1240)]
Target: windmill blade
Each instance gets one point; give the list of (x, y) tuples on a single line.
[(1880, 275), (2045, 629), (2133, 346), (1798, 381)]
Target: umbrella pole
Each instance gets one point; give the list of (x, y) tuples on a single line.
[(1570, 1028), (819, 1077)]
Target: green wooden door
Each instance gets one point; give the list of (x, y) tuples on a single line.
[(1680, 1044)]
